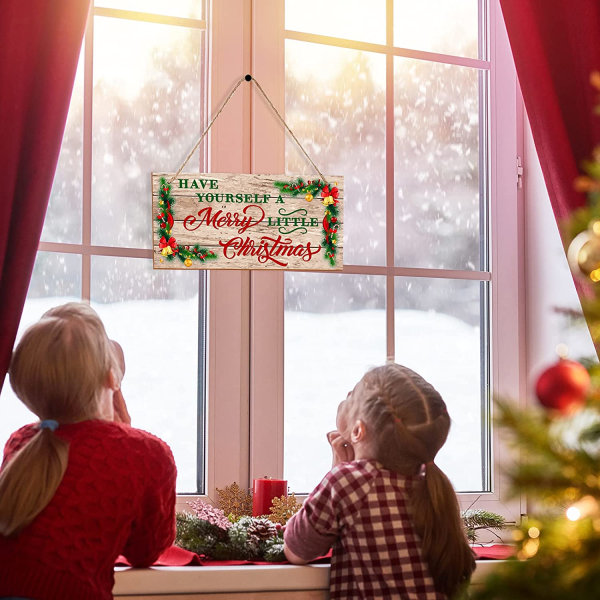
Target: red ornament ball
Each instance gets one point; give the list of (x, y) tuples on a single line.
[(563, 386)]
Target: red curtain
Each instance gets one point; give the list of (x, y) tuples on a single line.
[(556, 46), (40, 42)]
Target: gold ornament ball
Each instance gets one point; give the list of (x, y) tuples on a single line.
[(583, 253), (308, 197), (187, 262)]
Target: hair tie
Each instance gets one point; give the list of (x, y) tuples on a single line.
[(423, 469), (50, 424)]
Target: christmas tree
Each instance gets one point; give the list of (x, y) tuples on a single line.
[(558, 545)]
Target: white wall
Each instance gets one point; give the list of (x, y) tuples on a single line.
[(549, 280)]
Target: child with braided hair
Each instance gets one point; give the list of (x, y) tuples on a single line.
[(389, 512)]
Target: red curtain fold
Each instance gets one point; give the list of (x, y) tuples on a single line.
[(40, 41), (556, 46)]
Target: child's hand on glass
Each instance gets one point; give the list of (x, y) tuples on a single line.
[(120, 412), (341, 448)]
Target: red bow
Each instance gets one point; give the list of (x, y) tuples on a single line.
[(334, 192), (163, 242)]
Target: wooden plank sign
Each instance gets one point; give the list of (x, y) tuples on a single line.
[(237, 221)]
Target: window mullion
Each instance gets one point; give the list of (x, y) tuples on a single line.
[(389, 183), (267, 296), (228, 338), (86, 213)]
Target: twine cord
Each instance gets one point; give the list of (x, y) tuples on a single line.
[(223, 105), (185, 162), (288, 129)]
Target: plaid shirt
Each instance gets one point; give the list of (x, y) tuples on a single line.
[(360, 509)]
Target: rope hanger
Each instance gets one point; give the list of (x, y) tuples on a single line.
[(224, 104)]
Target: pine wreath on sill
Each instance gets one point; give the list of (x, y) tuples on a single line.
[(228, 532)]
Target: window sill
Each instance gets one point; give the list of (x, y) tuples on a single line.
[(204, 582)]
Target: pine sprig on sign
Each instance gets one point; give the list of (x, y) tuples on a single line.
[(299, 186), (330, 229), (167, 243), (329, 198)]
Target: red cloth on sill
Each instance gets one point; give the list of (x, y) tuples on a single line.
[(494, 552), (178, 557), (171, 557)]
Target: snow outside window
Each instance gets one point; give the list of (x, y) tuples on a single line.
[(136, 107), (405, 121)]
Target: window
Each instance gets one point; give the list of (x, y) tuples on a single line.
[(407, 127), (421, 120), (416, 106), (137, 106)]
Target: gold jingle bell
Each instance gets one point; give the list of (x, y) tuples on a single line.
[(583, 253)]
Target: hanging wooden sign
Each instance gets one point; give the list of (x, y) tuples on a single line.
[(238, 221)]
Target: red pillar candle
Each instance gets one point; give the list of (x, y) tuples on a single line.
[(264, 490)]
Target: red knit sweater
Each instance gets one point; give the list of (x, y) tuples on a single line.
[(117, 496)]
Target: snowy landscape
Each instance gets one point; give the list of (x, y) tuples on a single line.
[(443, 349)]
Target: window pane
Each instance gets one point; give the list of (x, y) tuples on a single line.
[(436, 165), (334, 331), (147, 99), (335, 105), (438, 26), (63, 217), (56, 279), (173, 8), (438, 334), (351, 19), (55, 276), (154, 316)]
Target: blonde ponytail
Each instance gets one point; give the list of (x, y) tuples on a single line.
[(436, 517), (30, 479), (59, 370)]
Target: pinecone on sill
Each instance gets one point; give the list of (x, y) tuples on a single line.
[(262, 529)]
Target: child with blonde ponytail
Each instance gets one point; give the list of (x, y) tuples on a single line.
[(387, 509), (81, 486)]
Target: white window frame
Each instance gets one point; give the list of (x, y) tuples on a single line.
[(264, 416), (244, 435), (85, 248)]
